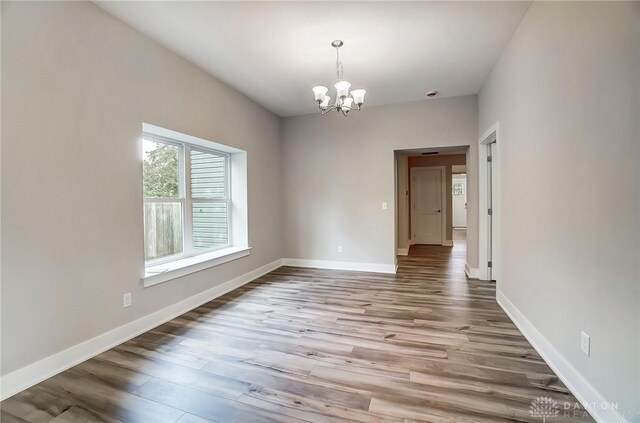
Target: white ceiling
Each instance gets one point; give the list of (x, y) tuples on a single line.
[(274, 52)]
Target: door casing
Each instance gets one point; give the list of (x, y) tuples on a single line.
[(491, 136)]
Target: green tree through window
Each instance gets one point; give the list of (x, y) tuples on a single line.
[(160, 170)]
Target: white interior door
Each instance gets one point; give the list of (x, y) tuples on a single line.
[(459, 201), (426, 205)]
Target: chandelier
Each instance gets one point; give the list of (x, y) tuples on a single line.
[(345, 101)]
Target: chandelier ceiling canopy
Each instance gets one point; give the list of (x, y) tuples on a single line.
[(345, 100)]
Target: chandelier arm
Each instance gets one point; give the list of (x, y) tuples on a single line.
[(327, 110)]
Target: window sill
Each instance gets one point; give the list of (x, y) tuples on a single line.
[(164, 272)]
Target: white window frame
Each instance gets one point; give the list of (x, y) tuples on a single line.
[(186, 199)]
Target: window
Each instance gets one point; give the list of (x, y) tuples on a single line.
[(458, 189), (187, 199), (195, 204)]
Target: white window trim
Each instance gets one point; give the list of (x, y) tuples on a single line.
[(171, 267), (177, 268)]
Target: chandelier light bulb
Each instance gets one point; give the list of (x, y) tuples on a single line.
[(342, 88), (346, 103), (325, 102), (320, 92), (358, 96)]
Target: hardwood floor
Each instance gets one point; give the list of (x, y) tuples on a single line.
[(307, 345)]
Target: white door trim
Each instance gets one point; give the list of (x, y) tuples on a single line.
[(443, 215), (492, 134)]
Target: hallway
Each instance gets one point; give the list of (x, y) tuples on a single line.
[(309, 345), (443, 262)]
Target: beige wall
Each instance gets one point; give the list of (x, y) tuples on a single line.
[(566, 92), (447, 160), (76, 86), (331, 199)]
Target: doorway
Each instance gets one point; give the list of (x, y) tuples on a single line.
[(428, 207), (459, 201), (448, 161)]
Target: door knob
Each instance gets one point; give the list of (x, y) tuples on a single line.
[(437, 211)]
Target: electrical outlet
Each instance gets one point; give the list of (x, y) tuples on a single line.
[(340, 249), (384, 205), (585, 343), (126, 300)]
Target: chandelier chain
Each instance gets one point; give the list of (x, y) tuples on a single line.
[(338, 64)]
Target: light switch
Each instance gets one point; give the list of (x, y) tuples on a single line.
[(585, 343), (126, 300), (384, 205)]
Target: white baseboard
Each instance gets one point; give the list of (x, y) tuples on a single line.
[(23, 378), (472, 273), (599, 408), (340, 265), (448, 243), (402, 251)]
